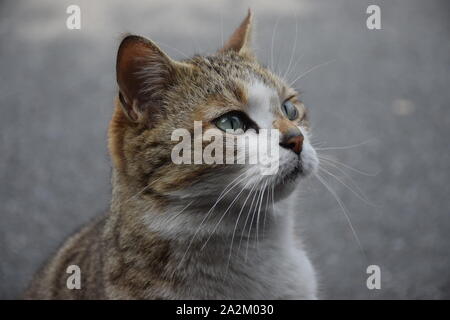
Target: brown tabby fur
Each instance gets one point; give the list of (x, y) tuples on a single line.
[(118, 256)]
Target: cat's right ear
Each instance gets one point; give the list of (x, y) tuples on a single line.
[(240, 40), (143, 73)]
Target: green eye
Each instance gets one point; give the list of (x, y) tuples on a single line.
[(231, 122), (290, 110)]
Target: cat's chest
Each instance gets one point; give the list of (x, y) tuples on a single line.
[(265, 273)]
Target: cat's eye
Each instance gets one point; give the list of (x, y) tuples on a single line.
[(232, 121), (289, 110)]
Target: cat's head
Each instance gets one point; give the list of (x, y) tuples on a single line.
[(227, 90)]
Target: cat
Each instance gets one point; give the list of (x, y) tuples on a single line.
[(193, 231)]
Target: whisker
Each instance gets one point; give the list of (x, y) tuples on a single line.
[(295, 64), (221, 27), (273, 198), (223, 215), (336, 162), (310, 70), (248, 216), (361, 196), (273, 39), (344, 211), (182, 210), (173, 48), (141, 191), (259, 211), (251, 222), (294, 47), (236, 224), (347, 147), (267, 208), (316, 143), (204, 219), (346, 175)]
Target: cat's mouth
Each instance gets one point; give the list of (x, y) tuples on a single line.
[(295, 173), (301, 168)]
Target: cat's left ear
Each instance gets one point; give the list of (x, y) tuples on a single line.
[(240, 40)]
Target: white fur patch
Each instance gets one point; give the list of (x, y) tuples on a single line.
[(262, 100), (264, 103)]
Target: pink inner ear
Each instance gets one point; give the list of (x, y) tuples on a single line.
[(130, 61), (143, 72)]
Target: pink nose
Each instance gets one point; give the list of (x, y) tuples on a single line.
[(293, 140)]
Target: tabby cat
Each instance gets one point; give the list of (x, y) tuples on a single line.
[(193, 231)]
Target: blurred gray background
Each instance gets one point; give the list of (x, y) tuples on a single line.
[(386, 90)]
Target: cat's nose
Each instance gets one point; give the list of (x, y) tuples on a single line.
[(293, 140)]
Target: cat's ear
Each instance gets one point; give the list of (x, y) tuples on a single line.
[(143, 73), (240, 40)]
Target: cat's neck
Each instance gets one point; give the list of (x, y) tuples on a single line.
[(184, 241), (186, 220), (200, 225)]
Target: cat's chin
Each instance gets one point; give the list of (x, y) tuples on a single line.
[(284, 190), (286, 183)]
